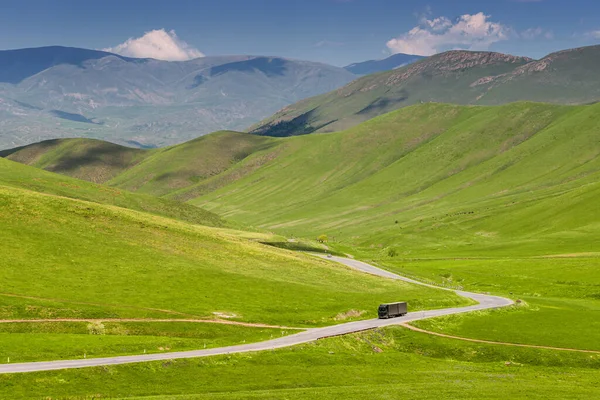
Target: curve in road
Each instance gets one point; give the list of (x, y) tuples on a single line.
[(309, 335)]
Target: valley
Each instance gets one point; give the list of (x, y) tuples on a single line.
[(147, 258)]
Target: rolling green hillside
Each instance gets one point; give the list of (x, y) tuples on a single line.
[(435, 175), (498, 199), (78, 251), (100, 260), (429, 173), (459, 77)]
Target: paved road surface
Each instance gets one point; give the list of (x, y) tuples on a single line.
[(309, 335)]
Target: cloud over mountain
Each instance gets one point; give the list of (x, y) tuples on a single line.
[(159, 44), (431, 36)]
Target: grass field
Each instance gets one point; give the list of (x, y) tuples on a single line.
[(500, 199), (354, 366)]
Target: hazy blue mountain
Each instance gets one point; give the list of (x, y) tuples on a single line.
[(56, 91), (20, 64), (387, 64)]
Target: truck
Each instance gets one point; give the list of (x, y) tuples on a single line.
[(391, 310)]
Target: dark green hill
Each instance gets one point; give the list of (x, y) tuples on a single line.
[(89, 159), (459, 77)]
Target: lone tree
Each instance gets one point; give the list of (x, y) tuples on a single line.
[(322, 238)]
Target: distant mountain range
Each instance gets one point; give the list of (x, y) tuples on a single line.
[(392, 62), (460, 77), (53, 92)]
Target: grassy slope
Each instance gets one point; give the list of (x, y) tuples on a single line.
[(21, 176), (505, 208), (69, 258), (354, 367), (182, 171), (449, 175), (130, 262)]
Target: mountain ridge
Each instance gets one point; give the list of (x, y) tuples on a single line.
[(458, 76), (386, 64)]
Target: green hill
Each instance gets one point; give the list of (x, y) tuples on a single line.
[(173, 168), (88, 159), (459, 77), (499, 199), (453, 167)]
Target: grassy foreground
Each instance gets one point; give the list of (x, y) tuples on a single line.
[(354, 366)]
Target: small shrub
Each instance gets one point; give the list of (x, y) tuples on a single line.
[(392, 252), (322, 238), (96, 328)]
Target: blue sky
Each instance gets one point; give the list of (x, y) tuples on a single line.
[(338, 32)]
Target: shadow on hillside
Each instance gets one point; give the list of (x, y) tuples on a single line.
[(383, 105), (300, 125), (110, 154), (303, 247)]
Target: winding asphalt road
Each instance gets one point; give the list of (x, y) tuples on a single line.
[(309, 335)]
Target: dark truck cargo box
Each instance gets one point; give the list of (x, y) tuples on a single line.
[(392, 310)]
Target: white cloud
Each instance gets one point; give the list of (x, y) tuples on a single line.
[(471, 32), (593, 34), (159, 44), (534, 33)]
